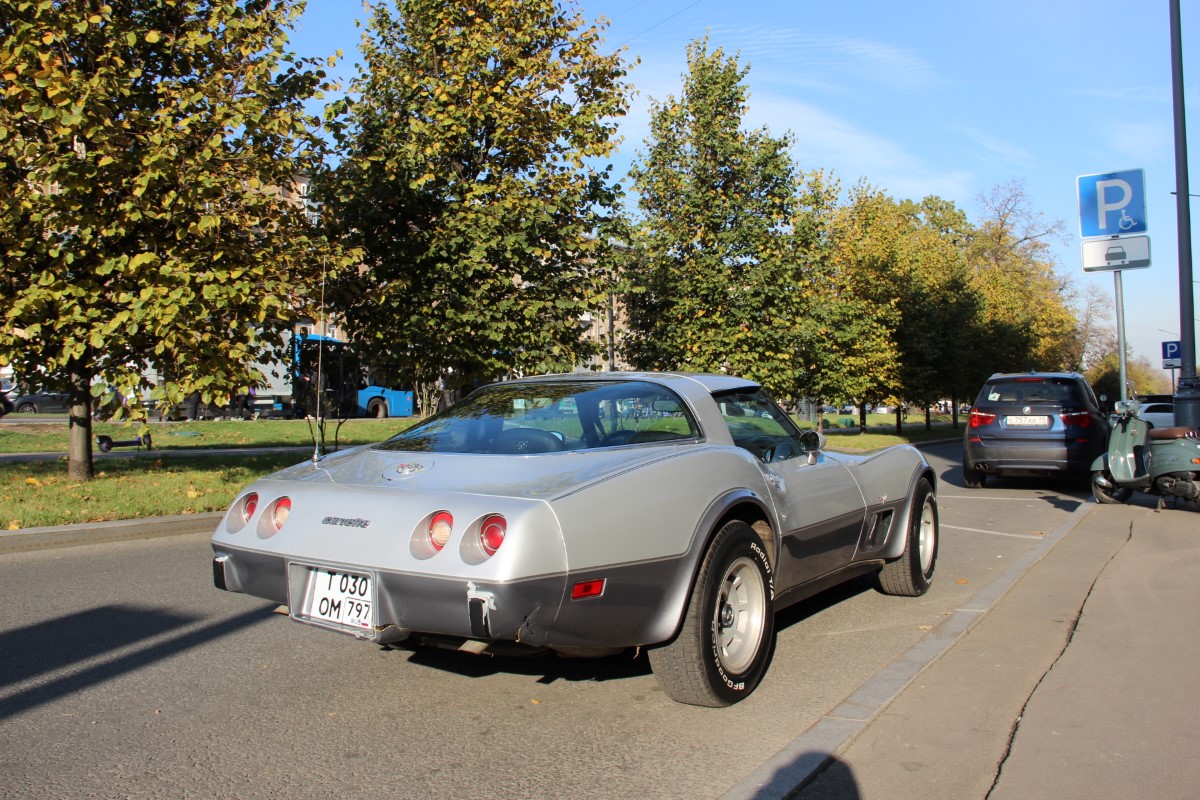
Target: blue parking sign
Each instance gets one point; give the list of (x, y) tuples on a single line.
[(1172, 355), (1112, 203)]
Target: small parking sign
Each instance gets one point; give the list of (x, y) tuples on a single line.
[(1172, 355)]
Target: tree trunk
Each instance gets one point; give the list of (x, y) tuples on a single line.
[(79, 453)]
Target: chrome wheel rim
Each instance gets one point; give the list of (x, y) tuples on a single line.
[(927, 535), (739, 615)]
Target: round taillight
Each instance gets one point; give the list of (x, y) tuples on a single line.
[(249, 506), (491, 533), (280, 512), (440, 527)]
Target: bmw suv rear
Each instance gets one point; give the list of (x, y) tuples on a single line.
[(1033, 423)]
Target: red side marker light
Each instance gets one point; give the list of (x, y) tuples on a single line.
[(584, 589)]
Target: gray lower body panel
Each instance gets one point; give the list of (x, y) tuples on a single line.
[(537, 611)]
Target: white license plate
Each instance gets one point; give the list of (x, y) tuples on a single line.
[(343, 598), (1028, 422)]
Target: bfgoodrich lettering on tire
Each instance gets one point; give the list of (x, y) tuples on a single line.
[(912, 573), (726, 638)]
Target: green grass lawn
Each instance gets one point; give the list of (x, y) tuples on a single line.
[(176, 478)]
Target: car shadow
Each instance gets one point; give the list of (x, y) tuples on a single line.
[(547, 667), (825, 600), (1070, 491)]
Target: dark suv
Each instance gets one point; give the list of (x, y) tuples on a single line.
[(1033, 423)]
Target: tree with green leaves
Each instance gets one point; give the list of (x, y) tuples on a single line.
[(856, 303), (1026, 315), (937, 303), (146, 149), (1142, 377), (713, 266), (467, 179)]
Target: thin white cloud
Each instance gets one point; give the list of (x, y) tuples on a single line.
[(1005, 151), (1140, 140), (826, 141), (828, 62)]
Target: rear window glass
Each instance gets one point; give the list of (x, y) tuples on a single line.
[(527, 418), (1055, 391)]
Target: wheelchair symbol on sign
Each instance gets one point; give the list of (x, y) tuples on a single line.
[(1126, 222)]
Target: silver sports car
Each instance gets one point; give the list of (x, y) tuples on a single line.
[(584, 514)]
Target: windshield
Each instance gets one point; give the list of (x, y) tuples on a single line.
[(525, 418)]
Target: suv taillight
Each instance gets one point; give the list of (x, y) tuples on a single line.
[(1080, 419), (981, 419)]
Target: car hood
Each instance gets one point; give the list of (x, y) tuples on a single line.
[(544, 476)]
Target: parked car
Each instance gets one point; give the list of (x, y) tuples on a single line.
[(1033, 423), (41, 403), (1160, 415), (488, 528)]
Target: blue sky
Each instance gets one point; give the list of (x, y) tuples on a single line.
[(942, 97)]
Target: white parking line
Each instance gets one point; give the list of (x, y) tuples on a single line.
[(1025, 499), (995, 533)]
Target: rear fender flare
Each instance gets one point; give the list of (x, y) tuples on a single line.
[(898, 536), (677, 595)]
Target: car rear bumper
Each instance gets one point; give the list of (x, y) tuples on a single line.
[(1034, 457), (537, 611)]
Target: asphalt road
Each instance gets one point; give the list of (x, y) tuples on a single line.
[(124, 673)]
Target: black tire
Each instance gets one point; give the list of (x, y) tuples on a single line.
[(973, 478), (1111, 497), (725, 643), (27, 408), (379, 410), (912, 573)]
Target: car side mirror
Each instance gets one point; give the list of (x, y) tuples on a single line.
[(811, 442)]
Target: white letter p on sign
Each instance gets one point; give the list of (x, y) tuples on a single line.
[(1103, 207)]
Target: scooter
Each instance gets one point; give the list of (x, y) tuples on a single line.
[(1142, 458)]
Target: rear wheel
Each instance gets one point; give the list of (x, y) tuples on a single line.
[(912, 573), (973, 478), (379, 410), (1113, 496), (724, 645)]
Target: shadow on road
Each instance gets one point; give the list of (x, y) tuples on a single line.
[(58, 644), (548, 667)]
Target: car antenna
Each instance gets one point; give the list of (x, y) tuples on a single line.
[(319, 433)]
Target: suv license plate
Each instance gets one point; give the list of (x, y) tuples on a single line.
[(343, 598), (1028, 422)]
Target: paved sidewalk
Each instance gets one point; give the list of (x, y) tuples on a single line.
[(1078, 683)]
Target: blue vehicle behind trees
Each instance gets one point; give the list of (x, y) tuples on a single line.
[(328, 377), (323, 376)]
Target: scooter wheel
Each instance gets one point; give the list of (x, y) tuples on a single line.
[(1107, 496)]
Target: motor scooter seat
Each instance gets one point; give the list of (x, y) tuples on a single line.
[(1178, 432)]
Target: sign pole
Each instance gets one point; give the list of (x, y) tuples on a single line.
[(1187, 396), (1118, 291)]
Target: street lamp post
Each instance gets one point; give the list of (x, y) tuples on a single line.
[(1187, 393)]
